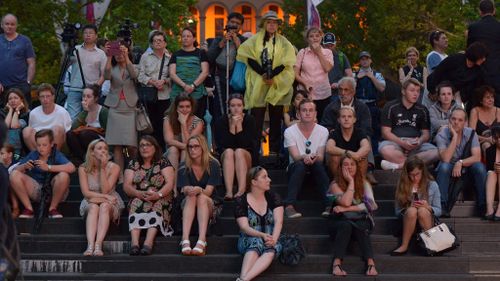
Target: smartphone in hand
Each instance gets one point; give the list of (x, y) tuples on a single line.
[(114, 48), (415, 197)]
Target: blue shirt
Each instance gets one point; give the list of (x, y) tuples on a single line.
[(443, 140), (38, 174), (13, 56)]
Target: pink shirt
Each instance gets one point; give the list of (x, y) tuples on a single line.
[(311, 70)]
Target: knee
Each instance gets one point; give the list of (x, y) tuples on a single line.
[(478, 167), (28, 132), (58, 131), (228, 155), (297, 167), (423, 213), (411, 213), (93, 208), (201, 199), (104, 207), (444, 168), (240, 153)]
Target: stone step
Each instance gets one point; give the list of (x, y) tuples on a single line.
[(264, 277), (225, 263), (228, 226)]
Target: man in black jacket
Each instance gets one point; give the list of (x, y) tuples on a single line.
[(487, 31), (218, 61)]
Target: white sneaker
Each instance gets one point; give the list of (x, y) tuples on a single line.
[(386, 165)]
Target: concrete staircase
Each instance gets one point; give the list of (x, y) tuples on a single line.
[(56, 253)]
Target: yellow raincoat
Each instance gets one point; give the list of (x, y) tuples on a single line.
[(257, 93)]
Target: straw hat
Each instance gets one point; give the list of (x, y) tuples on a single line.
[(270, 15)]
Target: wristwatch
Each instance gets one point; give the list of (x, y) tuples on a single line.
[(461, 162), (160, 194)]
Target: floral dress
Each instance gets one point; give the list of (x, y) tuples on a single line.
[(263, 223), (144, 214)]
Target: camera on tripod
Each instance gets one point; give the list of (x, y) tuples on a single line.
[(70, 33), (125, 32)]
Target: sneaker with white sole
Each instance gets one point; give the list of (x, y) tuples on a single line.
[(386, 165), (291, 213)]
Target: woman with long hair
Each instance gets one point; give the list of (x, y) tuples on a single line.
[(269, 82), (121, 100), (178, 126), (291, 116), (238, 145), (189, 68), (259, 214), (15, 115), (352, 194), (196, 181), (484, 115), (312, 67), (90, 124), (101, 203), (149, 183), (417, 199)]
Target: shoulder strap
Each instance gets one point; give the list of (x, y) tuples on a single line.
[(161, 67), (467, 146)]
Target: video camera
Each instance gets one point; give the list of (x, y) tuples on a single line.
[(70, 33), (125, 31)]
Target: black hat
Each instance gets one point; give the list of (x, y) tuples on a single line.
[(364, 54), (329, 38)]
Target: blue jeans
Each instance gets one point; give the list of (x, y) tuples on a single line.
[(74, 103), (296, 174), (476, 172)]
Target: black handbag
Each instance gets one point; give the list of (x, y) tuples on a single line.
[(148, 94), (293, 251)]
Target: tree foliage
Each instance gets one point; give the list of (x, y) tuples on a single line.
[(386, 28), (39, 19)]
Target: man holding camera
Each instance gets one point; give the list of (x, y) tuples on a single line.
[(92, 62), (17, 60), (222, 55)]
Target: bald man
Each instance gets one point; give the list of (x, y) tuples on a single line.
[(17, 59)]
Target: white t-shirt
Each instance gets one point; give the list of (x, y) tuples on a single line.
[(59, 117), (433, 60), (294, 137)]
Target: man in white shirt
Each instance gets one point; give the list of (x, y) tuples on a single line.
[(48, 115), (306, 143), (439, 43)]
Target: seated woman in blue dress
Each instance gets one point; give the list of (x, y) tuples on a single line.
[(259, 214)]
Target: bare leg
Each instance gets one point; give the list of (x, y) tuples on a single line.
[(337, 270), (204, 204), (118, 157), (59, 136), (372, 271), (91, 223), (173, 156), (409, 223), (104, 218), (393, 154), (491, 186), (59, 189), (29, 138), (333, 165), (150, 236), (228, 161), (188, 216), (248, 261), (429, 156), (23, 186), (135, 233), (261, 264), (424, 218), (243, 163), (14, 203)]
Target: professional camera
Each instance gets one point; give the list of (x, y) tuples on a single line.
[(231, 27), (267, 63), (125, 31), (70, 33)]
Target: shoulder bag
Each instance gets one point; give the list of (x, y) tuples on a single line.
[(438, 239), (148, 94), (293, 251), (237, 81), (142, 122)]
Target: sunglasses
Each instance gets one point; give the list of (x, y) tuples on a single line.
[(308, 144)]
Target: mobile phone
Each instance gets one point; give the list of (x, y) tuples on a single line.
[(415, 196), (114, 48)]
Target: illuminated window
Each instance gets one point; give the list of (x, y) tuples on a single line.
[(273, 8), (218, 10), (219, 27), (246, 10)]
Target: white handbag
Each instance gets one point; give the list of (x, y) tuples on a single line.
[(438, 239)]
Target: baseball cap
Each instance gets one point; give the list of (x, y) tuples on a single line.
[(329, 38), (364, 54)]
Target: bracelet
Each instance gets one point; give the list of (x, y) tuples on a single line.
[(193, 85), (49, 168)]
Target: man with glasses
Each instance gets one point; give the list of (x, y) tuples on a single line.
[(306, 142), (217, 53), (149, 75), (92, 62), (48, 115)]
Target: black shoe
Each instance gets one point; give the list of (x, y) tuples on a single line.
[(397, 254), (488, 217), (146, 250), (134, 251), (495, 218), (445, 214)]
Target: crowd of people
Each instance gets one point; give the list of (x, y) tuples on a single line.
[(331, 122)]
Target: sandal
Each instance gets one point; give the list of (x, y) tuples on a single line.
[(186, 247), (228, 197), (199, 251), (146, 250), (369, 270), (89, 252), (135, 250), (343, 273), (98, 251)]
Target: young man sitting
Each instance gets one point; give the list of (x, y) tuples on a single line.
[(306, 142), (347, 140), (28, 177)]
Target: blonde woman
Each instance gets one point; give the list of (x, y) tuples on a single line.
[(101, 202)]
